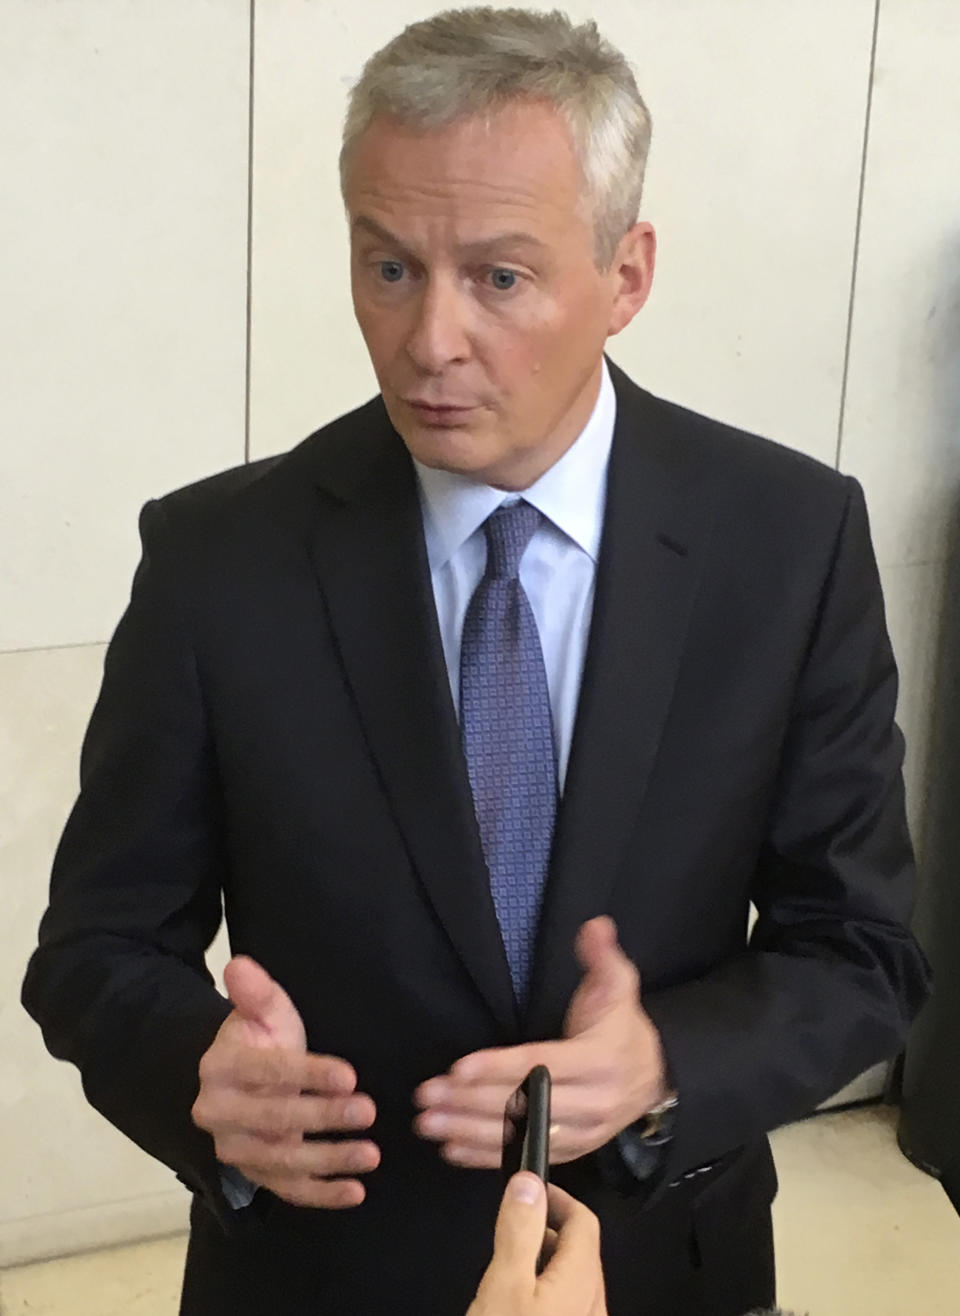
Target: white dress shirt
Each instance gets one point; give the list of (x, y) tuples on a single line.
[(558, 569)]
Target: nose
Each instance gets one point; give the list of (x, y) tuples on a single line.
[(439, 335)]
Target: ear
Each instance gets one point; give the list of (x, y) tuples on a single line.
[(632, 271)]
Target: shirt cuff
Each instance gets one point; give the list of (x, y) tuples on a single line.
[(237, 1188), (643, 1161)]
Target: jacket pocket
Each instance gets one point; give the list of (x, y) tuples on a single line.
[(732, 1210)]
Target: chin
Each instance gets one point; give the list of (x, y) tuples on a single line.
[(449, 450)]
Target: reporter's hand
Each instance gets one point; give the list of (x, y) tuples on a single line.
[(571, 1283), (261, 1091)]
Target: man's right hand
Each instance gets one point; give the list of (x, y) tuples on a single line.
[(261, 1091)]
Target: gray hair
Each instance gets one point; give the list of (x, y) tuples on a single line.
[(466, 62)]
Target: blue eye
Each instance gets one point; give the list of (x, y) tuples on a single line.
[(503, 280), (391, 270)]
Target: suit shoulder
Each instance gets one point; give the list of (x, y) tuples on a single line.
[(215, 490), (686, 437), (765, 488), (745, 454)]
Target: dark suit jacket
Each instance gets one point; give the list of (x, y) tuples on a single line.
[(275, 730)]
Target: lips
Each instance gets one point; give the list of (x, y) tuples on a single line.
[(442, 414), (439, 406)]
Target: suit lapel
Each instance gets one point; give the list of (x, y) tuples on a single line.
[(370, 557), (657, 524)]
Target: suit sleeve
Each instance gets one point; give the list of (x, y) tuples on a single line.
[(832, 976), (118, 982)]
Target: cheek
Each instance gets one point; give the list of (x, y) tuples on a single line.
[(522, 343), (554, 332), (382, 332)]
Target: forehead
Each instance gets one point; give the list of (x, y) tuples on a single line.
[(516, 164)]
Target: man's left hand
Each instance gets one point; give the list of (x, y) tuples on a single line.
[(608, 1070)]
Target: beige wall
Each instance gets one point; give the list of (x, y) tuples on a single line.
[(123, 259), (123, 265)]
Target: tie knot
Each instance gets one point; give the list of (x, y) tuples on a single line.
[(509, 530)]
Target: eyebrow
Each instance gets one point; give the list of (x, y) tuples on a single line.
[(516, 238)]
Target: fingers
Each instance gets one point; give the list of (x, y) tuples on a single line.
[(474, 1156), (562, 1209), (254, 1068), (295, 1159), (476, 1130), (572, 1104), (550, 1237), (471, 1157), (470, 1125), (509, 1066), (259, 1103), (574, 1272), (278, 1117), (321, 1194), (479, 1142), (467, 1098), (578, 1229)]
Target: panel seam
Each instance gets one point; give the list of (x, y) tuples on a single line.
[(249, 292), (857, 232)]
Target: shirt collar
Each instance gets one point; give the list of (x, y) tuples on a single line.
[(570, 494)]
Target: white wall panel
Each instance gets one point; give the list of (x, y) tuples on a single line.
[(759, 113), (758, 128), (69, 1179), (123, 133), (901, 434)]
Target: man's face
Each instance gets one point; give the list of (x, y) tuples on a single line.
[(476, 289)]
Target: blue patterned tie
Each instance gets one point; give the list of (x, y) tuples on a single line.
[(508, 736)]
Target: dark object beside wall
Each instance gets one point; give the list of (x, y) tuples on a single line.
[(929, 1133)]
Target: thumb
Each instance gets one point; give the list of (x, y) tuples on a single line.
[(263, 1004), (521, 1224), (510, 1281), (595, 940), (609, 977)]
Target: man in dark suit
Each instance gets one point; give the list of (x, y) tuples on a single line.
[(486, 713)]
